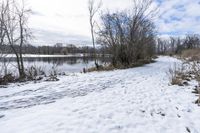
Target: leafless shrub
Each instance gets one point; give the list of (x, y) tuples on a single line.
[(34, 73), (196, 70), (178, 75), (8, 78), (5, 76), (53, 74), (3, 65), (101, 68)]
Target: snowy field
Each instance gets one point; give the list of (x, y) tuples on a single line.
[(138, 100)]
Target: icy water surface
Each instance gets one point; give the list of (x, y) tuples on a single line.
[(61, 63)]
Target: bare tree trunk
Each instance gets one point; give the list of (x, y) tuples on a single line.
[(93, 42), (92, 11), (21, 43), (17, 59)]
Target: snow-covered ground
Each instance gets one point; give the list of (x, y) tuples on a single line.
[(137, 100)]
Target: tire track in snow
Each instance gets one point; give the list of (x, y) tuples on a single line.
[(47, 95)]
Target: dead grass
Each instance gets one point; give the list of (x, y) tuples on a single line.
[(7, 79), (197, 91), (110, 67), (191, 54), (179, 75), (101, 68), (177, 81)]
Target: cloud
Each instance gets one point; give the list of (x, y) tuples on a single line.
[(178, 17), (67, 20), (48, 37), (58, 20), (36, 13)]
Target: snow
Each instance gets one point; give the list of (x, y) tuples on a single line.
[(136, 100)]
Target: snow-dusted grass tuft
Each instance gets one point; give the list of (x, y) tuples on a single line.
[(178, 75), (183, 73)]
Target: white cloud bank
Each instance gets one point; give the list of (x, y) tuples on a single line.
[(179, 17), (66, 21)]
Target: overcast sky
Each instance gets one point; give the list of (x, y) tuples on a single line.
[(66, 21)]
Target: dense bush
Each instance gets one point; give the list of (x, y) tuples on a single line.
[(8, 78)]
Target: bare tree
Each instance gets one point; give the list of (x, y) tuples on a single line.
[(175, 45), (93, 9), (2, 32), (192, 41), (16, 30), (162, 46), (2, 40), (130, 36)]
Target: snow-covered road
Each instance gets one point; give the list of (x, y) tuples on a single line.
[(137, 100)]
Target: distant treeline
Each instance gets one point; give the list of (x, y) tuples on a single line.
[(175, 45), (51, 50)]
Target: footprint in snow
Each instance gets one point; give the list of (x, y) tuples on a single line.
[(188, 130), (1, 116)]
